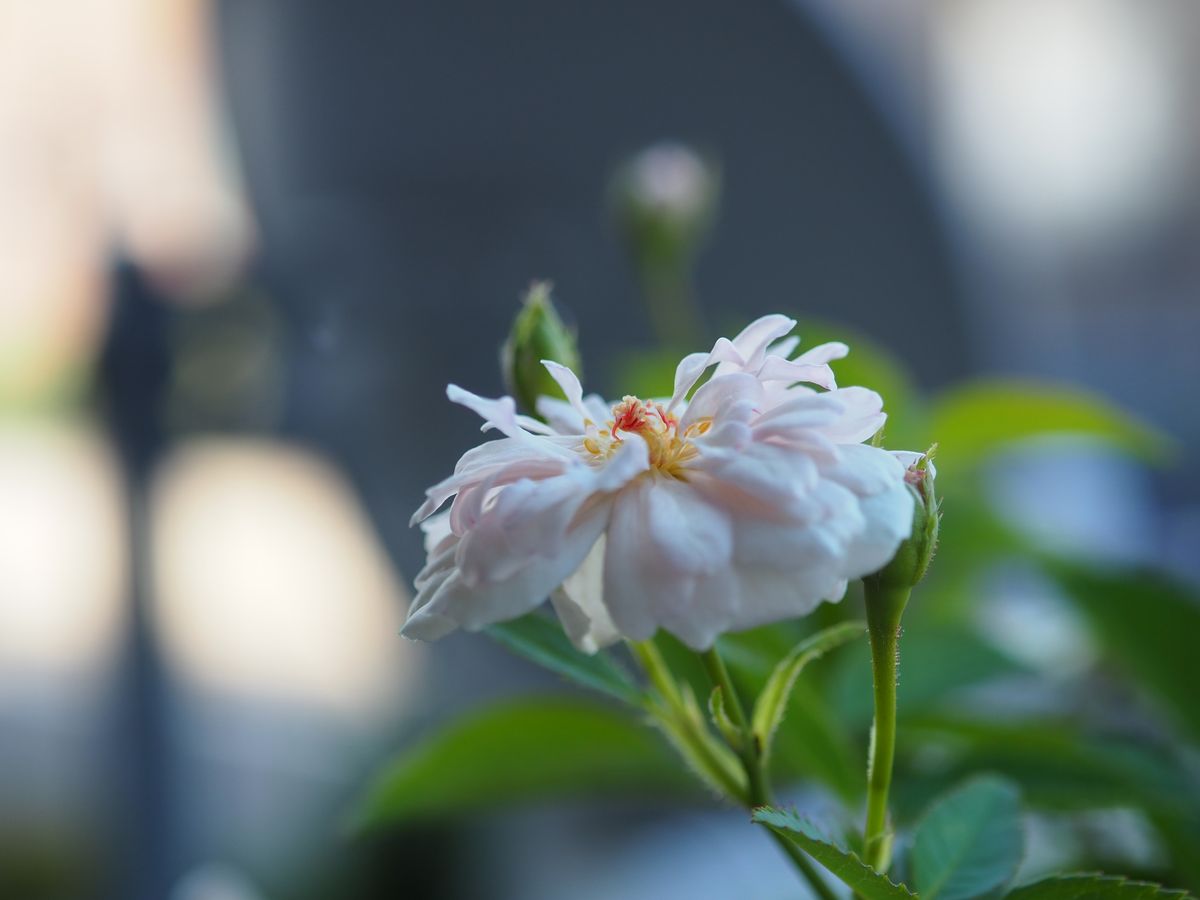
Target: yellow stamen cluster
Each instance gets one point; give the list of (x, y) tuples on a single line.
[(669, 450)]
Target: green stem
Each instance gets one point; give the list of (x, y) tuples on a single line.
[(749, 750), (885, 605), (751, 756), (657, 671), (667, 286), (686, 726)]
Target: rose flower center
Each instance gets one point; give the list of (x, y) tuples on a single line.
[(669, 450)]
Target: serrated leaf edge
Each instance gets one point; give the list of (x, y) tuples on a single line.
[(961, 786), (849, 854), (1160, 890)]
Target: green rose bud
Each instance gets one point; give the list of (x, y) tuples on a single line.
[(885, 596), (537, 333), (912, 559)]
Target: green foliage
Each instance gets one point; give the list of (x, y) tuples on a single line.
[(936, 660), (645, 373), (969, 843), (683, 663), (973, 421), (711, 761), (518, 752), (811, 741), (845, 864), (773, 699), (1092, 887), (1149, 623), (542, 641), (1058, 764)]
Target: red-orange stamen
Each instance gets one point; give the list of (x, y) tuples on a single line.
[(629, 415), (656, 426)]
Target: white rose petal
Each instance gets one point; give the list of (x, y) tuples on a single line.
[(751, 501)]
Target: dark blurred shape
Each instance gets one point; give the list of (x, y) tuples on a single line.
[(134, 372)]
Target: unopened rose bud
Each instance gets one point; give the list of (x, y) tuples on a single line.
[(665, 198), (538, 333), (912, 559), (885, 596)]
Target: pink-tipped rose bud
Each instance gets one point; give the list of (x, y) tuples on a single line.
[(911, 561)]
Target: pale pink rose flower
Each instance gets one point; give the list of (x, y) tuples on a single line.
[(746, 501)]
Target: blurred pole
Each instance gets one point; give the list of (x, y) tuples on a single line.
[(135, 369)]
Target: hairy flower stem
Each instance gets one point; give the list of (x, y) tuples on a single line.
[(682, 724), (885, 605), (657, 671), (749, 750), (751, 755)]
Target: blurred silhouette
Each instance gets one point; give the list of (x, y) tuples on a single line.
[(123, 694)]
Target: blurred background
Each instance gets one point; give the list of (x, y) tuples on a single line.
[(245, 244)]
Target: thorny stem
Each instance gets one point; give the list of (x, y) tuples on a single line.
[(751, 755), (677, 712), (657, 671), (749, 751), (660, 676), (885, 605)]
